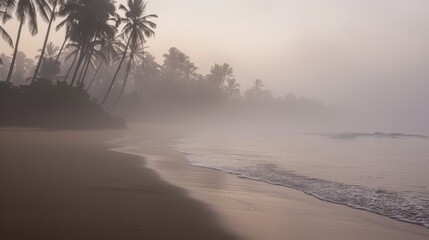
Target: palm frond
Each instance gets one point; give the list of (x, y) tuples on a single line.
[(6, 37)]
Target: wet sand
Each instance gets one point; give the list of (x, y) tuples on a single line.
[(255, 210), (68, 185)]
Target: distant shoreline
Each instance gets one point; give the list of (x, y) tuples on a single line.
[(347, 135)]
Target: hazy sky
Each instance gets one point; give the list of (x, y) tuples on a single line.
[(371, 56)]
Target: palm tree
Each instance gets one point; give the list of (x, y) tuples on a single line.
[(5, 16), (232, 88), (255, 92), (109, 49), (258, 85), (87, 20), (74, 52), (219, 74), (25, 12), (135, 59), (50, 51), (137, 27), (105, 33), (51, 19), (66, 37), (178, 66)]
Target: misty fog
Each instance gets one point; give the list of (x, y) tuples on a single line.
[(366, 60)]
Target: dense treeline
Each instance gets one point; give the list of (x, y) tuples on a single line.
[(103, 59), (96, 33)]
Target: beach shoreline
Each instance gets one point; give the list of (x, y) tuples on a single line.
[(130, 184), (256, 210)]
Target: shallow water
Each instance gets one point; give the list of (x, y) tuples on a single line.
[(388, 176)]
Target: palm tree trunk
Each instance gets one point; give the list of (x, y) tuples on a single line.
[(15, 51), (83, 52), (79, 62), (117, 71), (71, 66), (85, 62), (61, 49), (93, 77), (82, 80), (123, 85), (44, 43)]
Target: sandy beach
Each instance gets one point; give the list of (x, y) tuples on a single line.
[(69, 185)]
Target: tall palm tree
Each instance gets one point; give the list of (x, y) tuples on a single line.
[(51, 19), (88, 20), (26, 11), (105, 32), (135, 59), (137, 28)]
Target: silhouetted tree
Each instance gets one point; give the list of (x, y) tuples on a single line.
[(26, 10), (135, 59), (137, 27), (52, 10), (178, 66), (4, 16), (50, 67), (219, 74), (255, 92), (23, 68), (148, 77), (50, 51), (109, 49), (88, 20), (232, 88)]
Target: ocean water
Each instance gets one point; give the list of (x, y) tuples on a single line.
[(383, 174)]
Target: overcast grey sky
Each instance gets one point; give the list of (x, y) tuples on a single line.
[(371, 56)]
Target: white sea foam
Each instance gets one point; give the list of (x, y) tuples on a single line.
[(269, 166)]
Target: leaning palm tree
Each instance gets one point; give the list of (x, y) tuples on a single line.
[(87, 20), (109, 49), (66, 37), (51, 19), (137, 27), (26, 11), (105, 31), (135, 58), (73, 52)]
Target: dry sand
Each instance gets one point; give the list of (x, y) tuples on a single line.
[(67, 185)]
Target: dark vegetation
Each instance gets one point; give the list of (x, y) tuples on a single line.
[(102, 66), (47, 105)]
